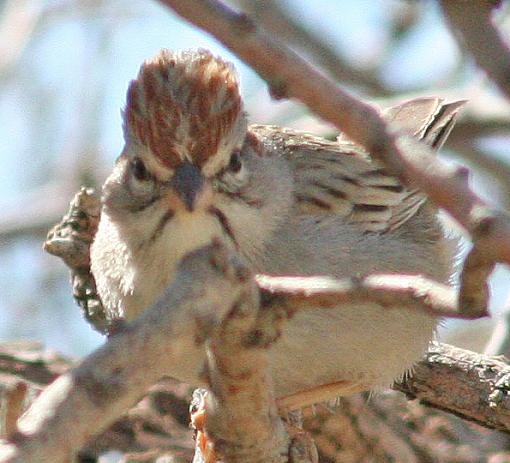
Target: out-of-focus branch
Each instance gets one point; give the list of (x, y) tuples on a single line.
[(18, 21), (24, 371), (450, 378), (496, 169), (472, 22), (83, 401), (279, 21), (477, 126), (26, 361), (290, 76), (387, 428), (33, 213)]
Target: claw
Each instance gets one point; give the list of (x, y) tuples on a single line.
[(198, 417)]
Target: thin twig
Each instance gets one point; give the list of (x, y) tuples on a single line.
[(281, 23), (388, 290)]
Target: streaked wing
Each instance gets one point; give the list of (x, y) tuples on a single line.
[(340, 178)]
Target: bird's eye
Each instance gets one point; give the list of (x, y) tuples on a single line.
[(235, 164), (139, 170)]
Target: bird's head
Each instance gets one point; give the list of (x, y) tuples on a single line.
[(190, 169)]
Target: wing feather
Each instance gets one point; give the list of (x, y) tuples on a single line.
[(339, 177)]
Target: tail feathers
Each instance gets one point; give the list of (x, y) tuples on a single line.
[(428, 119)]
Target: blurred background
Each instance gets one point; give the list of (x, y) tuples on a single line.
[(64, 69)]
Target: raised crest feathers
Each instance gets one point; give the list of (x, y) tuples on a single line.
[(184, 105)]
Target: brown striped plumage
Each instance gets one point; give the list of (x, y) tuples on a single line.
[(339, 177), (183, 106)]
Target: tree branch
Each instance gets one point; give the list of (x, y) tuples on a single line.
[(386, 427), (470, 385), (472, 23), (160, 420), (388, 290), (70, 240), (289, 75), (242, 419), (83, 401)]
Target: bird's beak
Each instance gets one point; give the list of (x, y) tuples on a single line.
[(188, 182)]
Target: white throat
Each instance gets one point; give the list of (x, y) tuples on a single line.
[(139, 270)]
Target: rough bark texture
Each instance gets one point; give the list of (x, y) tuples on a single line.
[(384, 428), (471, 385), (300, 300)]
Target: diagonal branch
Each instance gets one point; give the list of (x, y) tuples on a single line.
[(168, 336), (288, 75), (473, 24)]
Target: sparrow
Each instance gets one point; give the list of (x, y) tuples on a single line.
[(289, 203)]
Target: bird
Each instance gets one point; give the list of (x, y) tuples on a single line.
[(288, 203)]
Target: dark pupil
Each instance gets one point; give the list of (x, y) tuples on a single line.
[(139, 170), (235, 162)]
